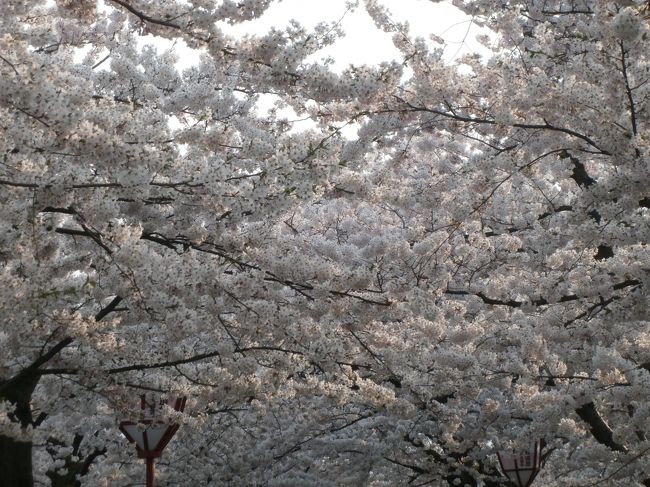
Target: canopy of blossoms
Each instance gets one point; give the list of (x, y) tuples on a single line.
[(467, 272)]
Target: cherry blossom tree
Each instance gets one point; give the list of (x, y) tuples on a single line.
[(518, 189), (468, 272), (128, 245)]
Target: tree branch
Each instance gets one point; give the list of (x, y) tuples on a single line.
[(628, 90), (32, 369), (531, 126), (599, 429), (538, 302), (167, 363), (146, 18)]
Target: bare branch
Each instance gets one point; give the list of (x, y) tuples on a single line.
[(146, 18)]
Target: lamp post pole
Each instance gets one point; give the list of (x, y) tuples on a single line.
[(152, 440), (150, 472)]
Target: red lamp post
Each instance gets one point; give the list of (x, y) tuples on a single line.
[(149, 434), (523, 466)]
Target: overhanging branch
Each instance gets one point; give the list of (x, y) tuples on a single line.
[(599, 428), (537, 302)]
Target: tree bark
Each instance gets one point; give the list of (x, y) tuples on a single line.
[(599, 428), (16, 456), (15, 463)]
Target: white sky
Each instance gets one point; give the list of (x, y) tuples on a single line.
[(363, 42)]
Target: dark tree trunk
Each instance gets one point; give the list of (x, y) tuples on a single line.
[(16, 456), (15, 463)]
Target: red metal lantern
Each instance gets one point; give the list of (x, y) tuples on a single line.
[(523, 466), (149, 434)]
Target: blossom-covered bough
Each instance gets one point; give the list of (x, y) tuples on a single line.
[(470, 270)]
